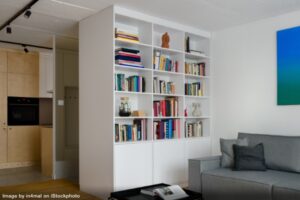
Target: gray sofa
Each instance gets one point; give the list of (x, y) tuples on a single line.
[(280, 182)]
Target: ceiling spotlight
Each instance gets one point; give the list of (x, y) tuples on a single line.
[(25, 48), (8, 30), (27, 14)]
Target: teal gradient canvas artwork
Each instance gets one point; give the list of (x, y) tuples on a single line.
[(288, 66)]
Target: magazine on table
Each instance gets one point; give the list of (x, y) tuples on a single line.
[(165, 192)]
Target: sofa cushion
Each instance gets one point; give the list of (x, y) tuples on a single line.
[(249, 158), (287, 188), (223, 183), (281, 152), (227, 159)]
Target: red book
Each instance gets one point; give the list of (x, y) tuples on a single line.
[(122, 53)]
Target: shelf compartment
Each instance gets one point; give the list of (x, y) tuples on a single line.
[(205, 127), (142, 28), (176, 37), (136, 102), (198, 43), (136, 130), (145, 52)]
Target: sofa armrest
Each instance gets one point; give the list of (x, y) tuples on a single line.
[(199, 165)]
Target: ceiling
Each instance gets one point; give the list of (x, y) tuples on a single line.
[(61, 17)]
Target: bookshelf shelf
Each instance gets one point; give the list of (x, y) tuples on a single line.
[(167, 72), (196, 76), (131, 44), (168, 95), (194, 56), (168, 51), (178, 117), (104, 135), (125, 118), (198, 117), (196, 97), (133, 93), (128, 68)]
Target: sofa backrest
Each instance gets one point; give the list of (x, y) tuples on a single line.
[(281, 152)]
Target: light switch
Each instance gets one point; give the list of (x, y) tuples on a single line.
[(60, 102)]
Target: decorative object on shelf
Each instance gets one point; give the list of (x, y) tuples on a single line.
[(187, 44), (138, 113), (185, 112), (124, 109), (165, 40), (196, 110)]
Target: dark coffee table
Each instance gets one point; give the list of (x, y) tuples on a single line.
[(135, 194)]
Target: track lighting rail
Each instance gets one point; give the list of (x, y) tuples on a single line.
[(20, 12)]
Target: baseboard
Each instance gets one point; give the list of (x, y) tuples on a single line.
[(17, 164)]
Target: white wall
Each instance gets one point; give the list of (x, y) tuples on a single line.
[(244, 81)]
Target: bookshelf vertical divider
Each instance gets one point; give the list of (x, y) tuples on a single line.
[(113, 160)]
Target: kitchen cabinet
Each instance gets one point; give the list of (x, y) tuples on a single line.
[(22, 85), (3, 115), (46, 75), (24, 144), (3, 99), (3, 144), (46, 151), (3, 61), (23, 74)]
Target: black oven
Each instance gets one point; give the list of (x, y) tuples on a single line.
[(22, 111)]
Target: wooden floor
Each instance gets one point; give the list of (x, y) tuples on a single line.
[(44, 189)]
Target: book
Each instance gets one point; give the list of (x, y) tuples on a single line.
[(195, 68), (164, 62), (131, 132), (150, 190), (170, 192)]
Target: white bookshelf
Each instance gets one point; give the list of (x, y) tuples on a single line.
[(126, 164)]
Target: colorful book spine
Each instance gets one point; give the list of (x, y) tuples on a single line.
[(131, 83), (197, 69), (166, 108), (131, 132), (164, 62), (166, 129), (194, 89), (163, 87), (193, 129)]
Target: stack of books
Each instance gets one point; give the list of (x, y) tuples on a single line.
[(195, 69), (193, 89), (193, 129), (132, 83), (166, 108), (167, 129), (131, 132), (163, 87), (128, 57), (127, 36), (164, 63)]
